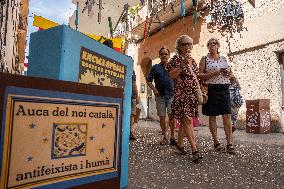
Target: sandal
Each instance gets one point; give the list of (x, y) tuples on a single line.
[(164, 141), (230, 149), (218, 147), (173, 142), (196, 156), (181, 151)]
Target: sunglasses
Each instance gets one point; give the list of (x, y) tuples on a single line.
[(184, 44), (213, 43), (162, 54)]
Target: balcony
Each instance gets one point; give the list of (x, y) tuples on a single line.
[(167, 14)]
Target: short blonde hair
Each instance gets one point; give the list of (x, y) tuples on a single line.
[(213, 39), (180, 39)]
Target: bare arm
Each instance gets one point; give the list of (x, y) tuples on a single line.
[(176, 71), (155, 91)]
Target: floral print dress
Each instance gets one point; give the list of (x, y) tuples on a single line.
[(185, 102)]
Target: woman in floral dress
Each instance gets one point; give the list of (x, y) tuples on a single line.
[(183, 70)]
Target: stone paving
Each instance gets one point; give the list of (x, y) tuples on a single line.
[(259, 162)]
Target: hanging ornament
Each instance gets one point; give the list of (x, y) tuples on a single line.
[(134, 10), (100, 11), (89, 5), (110, 26), (195, 12), (77, 16), (182, 8), (123, 18), (228, 9), (172, 7), (146, 27), (195, 17), (238, 11), (164, 4), (226, 16), (126, 9), (154, 16)]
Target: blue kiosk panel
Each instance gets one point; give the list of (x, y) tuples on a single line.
[(65, 54)]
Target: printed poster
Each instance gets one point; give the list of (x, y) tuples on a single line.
[(48, 140)]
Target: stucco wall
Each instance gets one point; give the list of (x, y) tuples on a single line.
[(258, 71), (88, 22)]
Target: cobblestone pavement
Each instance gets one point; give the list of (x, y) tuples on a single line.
[(259, 162)]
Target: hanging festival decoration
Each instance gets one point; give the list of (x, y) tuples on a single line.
[(126, 19), (146, 27), (77, 16), (110, 26), (195, 11), (154, 6), (182, 8), (134, 10), (44, 23), (154, 17), (123, 19), (100, 11), (226, 16), (89, 5), (172, 7), (164, 4)]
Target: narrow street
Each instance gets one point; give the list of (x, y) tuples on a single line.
[(259, 162)]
